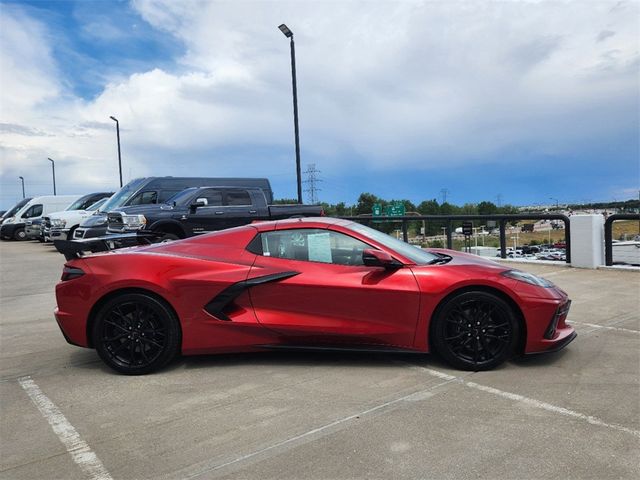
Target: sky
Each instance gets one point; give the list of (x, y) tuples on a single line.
[(516, 102)]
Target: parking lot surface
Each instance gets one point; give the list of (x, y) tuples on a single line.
[(573, 414)]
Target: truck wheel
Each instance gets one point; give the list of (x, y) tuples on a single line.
[(168, 237), (71, 232), (20, 234)]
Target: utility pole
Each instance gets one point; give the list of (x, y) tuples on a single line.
[(444, 192), (311, 182)]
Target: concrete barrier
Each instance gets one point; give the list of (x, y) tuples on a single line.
[(587, 241)]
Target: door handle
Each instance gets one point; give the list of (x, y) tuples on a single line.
[(219, 213), (253, 211)]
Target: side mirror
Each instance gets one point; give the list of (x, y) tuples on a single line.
[(378, 258), (200, 202)]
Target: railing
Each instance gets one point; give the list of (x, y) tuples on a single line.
[(449, 219), (608, 233)]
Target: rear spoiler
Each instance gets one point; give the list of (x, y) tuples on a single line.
[(75, 248)]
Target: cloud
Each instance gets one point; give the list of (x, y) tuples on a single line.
[(383, 86)]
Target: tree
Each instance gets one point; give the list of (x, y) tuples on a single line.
[(487, 208), (366, 202)]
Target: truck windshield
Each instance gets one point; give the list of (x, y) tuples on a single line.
[(415, 254), (121, 196)]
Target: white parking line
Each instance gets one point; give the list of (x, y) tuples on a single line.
[(75, 445), (529, 401), (603, 327), (419, 395)]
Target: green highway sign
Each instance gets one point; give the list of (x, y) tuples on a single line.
[(395, 209)]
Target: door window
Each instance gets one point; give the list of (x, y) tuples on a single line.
[(238, 198), (212, 197), (33, 211), (313, 245)]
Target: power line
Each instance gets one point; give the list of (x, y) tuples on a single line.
[(312, 183)]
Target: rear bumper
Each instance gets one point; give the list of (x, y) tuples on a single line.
[(74, 332)]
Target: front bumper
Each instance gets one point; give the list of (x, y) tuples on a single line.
[(58, 234), (8, 229), (89, 232)]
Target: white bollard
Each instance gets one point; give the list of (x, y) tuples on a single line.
[(587, 241)]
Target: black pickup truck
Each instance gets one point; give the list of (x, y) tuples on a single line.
[(200, 210)]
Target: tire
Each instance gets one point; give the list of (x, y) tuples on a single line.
[(136, 334), (475, 331), (168, 237), (71, 232), (20, 235)]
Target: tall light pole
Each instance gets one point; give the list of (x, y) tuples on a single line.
[(289, 34), (53, 170), (119, 156), (22, 178), (557, 205)]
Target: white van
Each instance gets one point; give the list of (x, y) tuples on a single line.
[(13, 227)]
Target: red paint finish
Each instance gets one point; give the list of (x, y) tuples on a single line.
[(324, 305)]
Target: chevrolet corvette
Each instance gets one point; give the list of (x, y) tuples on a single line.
[(307, 283)]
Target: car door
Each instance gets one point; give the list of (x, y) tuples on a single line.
[(211, 216), (327, 295), (240, 206)]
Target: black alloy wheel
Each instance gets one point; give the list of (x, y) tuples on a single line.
[(476, 331), (136, 334)]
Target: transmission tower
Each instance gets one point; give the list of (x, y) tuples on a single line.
[(312, 183), (444, 192), (499, 198)]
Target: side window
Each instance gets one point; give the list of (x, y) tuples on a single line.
[(238, 197), (33, 211), (166, 195), (313, 245), (212, 197), (145, 198)]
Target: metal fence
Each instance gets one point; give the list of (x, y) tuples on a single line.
[(449, 220), (608, 233)]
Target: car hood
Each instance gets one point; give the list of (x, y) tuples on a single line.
[(68, 214), (467, 259), (142, 209)]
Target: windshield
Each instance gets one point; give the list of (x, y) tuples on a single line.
[(122, 195), (97, 205), (16, 207), (415, 254), (80, 204)]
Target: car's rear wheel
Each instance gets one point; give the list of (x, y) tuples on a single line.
[(475, 331), (168, 237), (136, 333)]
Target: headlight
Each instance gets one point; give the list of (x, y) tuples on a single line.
[(58, 223), (528, 278), (134, 221)]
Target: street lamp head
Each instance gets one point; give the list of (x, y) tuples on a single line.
[(284, 29), (21, 178), (50, 159), (113, 118)]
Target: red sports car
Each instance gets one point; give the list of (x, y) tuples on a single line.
[(313, 283)]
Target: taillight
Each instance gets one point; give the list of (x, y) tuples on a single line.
[(69, 273)]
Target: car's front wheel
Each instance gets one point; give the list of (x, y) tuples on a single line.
[(475, 331), (136, 333), (20, 234)]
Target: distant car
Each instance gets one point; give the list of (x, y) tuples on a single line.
[(12, 211), (33, 229), (310, 283), (14, 226), (61, 225)]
